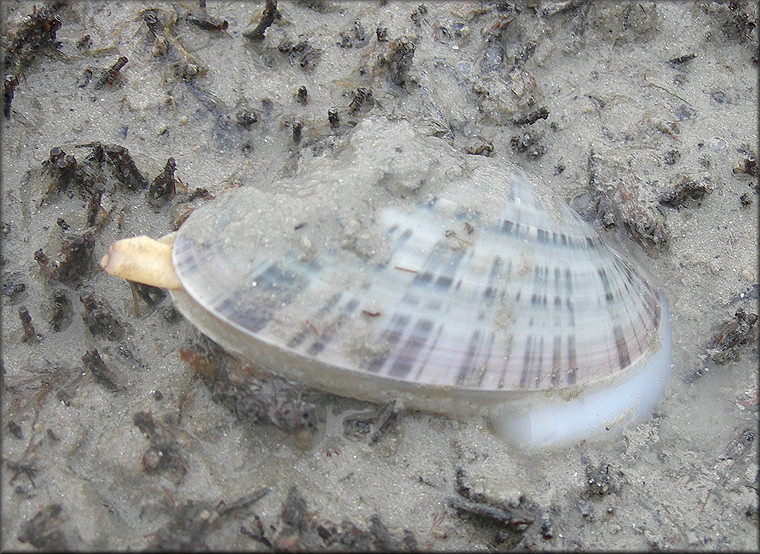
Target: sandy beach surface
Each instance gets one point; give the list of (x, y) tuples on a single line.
[(642, 116)]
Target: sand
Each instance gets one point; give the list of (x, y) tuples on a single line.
[(651, 108)]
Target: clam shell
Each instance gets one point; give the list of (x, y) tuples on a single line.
[(450, 282)]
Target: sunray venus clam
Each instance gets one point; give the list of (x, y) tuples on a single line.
[(396, 268)]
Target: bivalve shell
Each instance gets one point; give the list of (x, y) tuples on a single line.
[(449, 282)]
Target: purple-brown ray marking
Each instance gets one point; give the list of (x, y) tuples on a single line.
[(570, 307), (507, 227), (329, 332), (505, 366), (431, 272), (400, 242), (467, 365), (557, 280), (430, 350), (306, 330), (446, 277), (527, 359), (540, 282), (185, 256), (556, 360), (392, 335), (487, 358), (572, 362), (606, 285), (275, 287), (622, 347), (532, 360), (557, 310), (641, 321), (539, 362), (490, 291), (410, 350)]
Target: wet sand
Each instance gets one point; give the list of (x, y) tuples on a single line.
[(642, 116)]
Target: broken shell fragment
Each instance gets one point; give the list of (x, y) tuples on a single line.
[(450, 283)]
